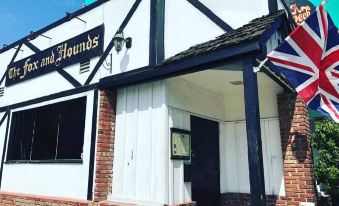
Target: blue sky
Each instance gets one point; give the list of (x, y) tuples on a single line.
[(19, 17)]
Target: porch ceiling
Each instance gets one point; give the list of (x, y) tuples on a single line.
[(219, 80)]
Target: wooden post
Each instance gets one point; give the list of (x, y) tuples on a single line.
[(255, 159)]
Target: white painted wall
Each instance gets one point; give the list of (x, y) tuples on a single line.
[(62, 180), (140, 155), (234, 174), (238, 12), (186, 26), (268, 91)]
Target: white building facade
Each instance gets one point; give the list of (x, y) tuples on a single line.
[(82, 123)]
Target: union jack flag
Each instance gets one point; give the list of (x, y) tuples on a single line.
[(309, 60)]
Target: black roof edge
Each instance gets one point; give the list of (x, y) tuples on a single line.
[(193, 64), (55, 24)]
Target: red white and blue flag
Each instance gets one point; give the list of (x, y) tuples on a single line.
[(309, 60)]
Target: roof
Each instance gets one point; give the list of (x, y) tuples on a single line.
[(246, 39), (249, 32)]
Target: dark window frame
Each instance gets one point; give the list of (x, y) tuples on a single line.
[(70, 110)]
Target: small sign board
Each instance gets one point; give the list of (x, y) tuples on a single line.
[(300, 9), (180, 144)]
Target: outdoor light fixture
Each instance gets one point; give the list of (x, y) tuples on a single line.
[(71, 16), (119, 41), (34, 35)]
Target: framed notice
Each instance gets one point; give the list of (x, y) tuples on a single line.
[(180, 144)]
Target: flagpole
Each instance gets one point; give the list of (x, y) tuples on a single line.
[(257, 69), (324, 2)]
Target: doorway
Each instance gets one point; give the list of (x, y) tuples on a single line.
[(205, 161)]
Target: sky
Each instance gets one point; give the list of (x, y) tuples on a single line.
[(19, 17)]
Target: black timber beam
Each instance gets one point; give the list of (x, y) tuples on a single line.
[(255, 159), (193, 64), (156, 44)]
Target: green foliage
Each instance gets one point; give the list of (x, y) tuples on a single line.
[(326, 168)]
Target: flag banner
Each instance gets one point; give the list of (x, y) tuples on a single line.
[(331, 7), (309, 60)]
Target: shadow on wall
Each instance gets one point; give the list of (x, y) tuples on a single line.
[(124, 62), (294, 138)]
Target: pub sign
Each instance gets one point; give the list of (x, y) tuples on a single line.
[(74, 50), (300, 9)]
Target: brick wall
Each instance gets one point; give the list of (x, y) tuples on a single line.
[(105, 145), (297, 156), (296, 148)]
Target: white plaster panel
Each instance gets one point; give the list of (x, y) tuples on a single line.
[(23, 53), (186, 26), (33, 88), (58, 179), (137, 28), (5, 58), (238, 12)]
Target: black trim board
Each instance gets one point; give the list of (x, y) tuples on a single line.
[(92, 151), (69, 78), (32, 47), (3, 119), (15, 54), (51, 97), (197, 63), (55, 24), (111, 44), (276, 77), (157, 32), (273, 6), (3, 77), (67, 161), (212, 16), (253, 130), (274, 27), (5, 146), (130, 14)]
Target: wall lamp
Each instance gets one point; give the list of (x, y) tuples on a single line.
[(71, 16), (119, 41), (34, 35)]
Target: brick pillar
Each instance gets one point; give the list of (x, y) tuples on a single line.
[(105, 145), (297, 154)]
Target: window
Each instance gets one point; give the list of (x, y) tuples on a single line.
[(49, 133)]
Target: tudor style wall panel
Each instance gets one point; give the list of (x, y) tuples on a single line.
[(67, 180), (186, 26), (139, 157), (238, 12)]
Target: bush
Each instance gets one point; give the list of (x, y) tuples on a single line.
[(326, 167)]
